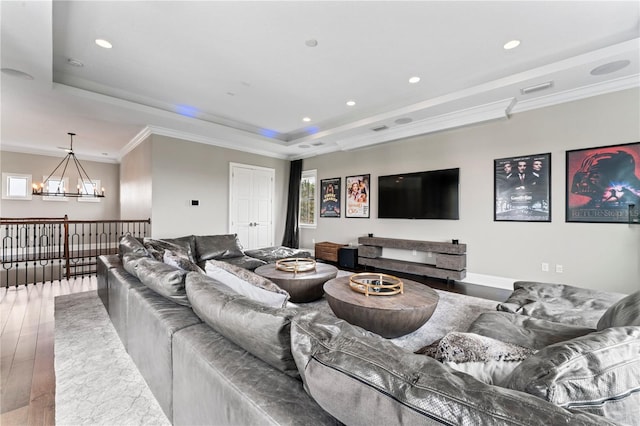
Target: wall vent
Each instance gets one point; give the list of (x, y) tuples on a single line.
[(536, 88), (377, 129)]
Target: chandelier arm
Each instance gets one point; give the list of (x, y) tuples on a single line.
[(57, 167)]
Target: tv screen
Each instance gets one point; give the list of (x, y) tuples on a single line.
[(421, 195)]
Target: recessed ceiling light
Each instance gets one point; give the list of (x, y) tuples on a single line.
[(414, 80), (306, 119), (74, 62), (312, 42), (103, 43), (17, 73), (511, 44), (610, 67), (351, 103)]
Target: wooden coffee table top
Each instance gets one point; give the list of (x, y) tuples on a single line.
[(389, 316), (302, 286)]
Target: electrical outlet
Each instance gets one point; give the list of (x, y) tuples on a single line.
[(313, 241), (545, 267), (414, 252), (559, 269), (429, 254)]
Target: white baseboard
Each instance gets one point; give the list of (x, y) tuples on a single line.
[(489, 280)]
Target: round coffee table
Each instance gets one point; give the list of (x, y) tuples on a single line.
[(303, 286), (388, 316)]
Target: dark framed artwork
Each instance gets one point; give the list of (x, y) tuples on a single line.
[(357, 196), (603, 184), (522, 188), (330, 197)]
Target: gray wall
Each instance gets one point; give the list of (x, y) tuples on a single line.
[(136, 182), (42, 165), (182, 171), (602, 256)]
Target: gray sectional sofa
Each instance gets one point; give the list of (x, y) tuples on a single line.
[(212, 356)]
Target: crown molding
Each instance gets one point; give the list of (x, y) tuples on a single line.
[(59, 153), (583, 92), (483, 113)]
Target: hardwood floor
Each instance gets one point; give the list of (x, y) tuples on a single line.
[(27, 377)]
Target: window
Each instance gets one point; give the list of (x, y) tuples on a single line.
[(56, 185), (16, 186), (308, 199), (89, 187)]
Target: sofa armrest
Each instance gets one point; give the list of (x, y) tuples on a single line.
[(523, 330), (559, 302)]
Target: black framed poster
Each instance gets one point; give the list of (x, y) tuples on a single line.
[(522, 188), (330, 197), (603, 184), (357, 196)]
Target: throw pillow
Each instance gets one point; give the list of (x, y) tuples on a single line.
[(158, 247), (247, 283), (181, 262), (129, 244), (622, 313), (218, 247), (488, 360), (271, 254), (261, 330), (598, 373), (361, 378), (164, 279)]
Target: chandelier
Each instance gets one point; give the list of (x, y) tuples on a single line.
[(56, 187)]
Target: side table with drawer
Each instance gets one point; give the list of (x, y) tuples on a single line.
[(328, 251)]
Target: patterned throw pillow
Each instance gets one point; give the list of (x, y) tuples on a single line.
[(488, 360), (157, 248), (178, 261)]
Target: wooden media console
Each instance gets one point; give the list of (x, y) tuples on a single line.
[(450, 259)]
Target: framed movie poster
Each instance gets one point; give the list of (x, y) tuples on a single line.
[(603, 184), (357, 196), (330, 197), (522, 188)]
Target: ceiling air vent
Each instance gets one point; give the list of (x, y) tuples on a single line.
[(377, 129), (536, 88)]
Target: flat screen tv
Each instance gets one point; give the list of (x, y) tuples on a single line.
[(421, 195)]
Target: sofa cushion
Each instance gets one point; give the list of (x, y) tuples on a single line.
[(523, 330), (271, 254), (187, 242), (486, 359), (164, 279), (259, 329), (247, 283), (246, 262), (218, 247), (129, 244), (623, 313), (361, 378), (598, 373), (158, 247), (130, 262), (559, 302)]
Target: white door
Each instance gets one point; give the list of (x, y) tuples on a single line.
[(251, 205)]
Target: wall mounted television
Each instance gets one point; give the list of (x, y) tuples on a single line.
[(421, 195)]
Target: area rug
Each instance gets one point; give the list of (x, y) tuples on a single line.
[(455, 312), (98, 384), (96, 381)]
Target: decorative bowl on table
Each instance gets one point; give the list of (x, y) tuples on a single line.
[(296, 264), (375, 284)]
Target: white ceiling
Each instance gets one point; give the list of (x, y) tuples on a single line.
[(239, 74)]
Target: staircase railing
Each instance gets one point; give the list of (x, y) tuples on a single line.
[(39, 249)]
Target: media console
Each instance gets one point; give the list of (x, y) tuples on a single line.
[(450, 259)]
